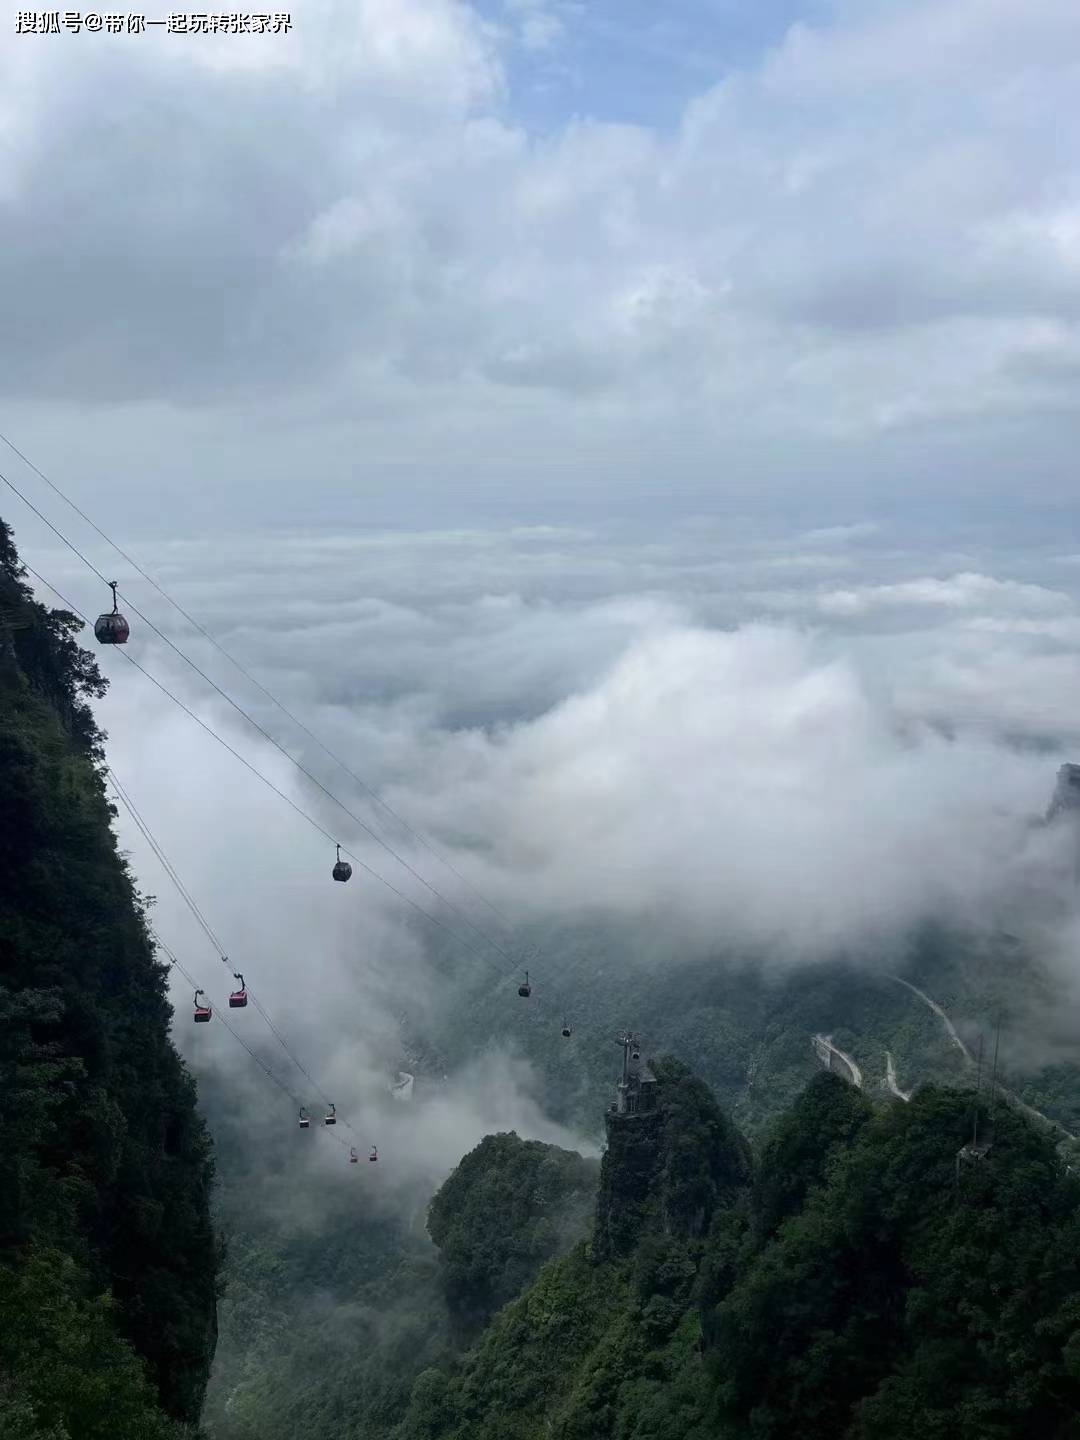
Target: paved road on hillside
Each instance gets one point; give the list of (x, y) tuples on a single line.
[(824, 1046), (890, 1079), (1001, 1090)]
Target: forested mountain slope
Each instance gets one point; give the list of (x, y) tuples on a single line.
[(333, 1309), (852, 1286), (107, 1256)]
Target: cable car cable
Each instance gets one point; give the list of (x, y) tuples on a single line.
[(167, 864), (235, 1034), (370, 790), (174, 961), (476, 954), (185, 894), (315, 824), (261, 729)]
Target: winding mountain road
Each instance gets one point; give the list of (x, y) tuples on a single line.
[(890, 1079), (825, 1048), (940, 1013), (1007, 1095)]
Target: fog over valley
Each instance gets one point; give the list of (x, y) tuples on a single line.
[(794, 749)]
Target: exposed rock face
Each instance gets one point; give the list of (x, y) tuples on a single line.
[(668, 1167), (1065, 809), (629, 1179), (1066, 797)]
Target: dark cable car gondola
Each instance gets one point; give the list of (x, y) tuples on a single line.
[(374, 1154), (111, 628), (354, 1158), (238, 998), (330, 1118), (525, 989), (342, 869), (202, 1011), (566, 1030), (304, 1121)]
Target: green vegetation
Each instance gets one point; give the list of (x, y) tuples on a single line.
[(107, 1258), (334, 1309), (854, 1287), (508, 1207), (624, 1336)]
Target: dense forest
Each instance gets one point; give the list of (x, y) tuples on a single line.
[(856, 1282), (108, 1262), (856, 1273)]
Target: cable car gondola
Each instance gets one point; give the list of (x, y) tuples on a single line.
[(330, 1117), (304, 1120), (374, 1154), (111, 628), (202, 1011), (238, 998), (354, 1158), (342, 869), (525, 989), (566, 1030)]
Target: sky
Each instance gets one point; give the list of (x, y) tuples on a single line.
[(418, 262), (643, 442)]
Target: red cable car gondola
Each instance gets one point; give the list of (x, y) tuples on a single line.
[(525, 990), (238, 998), (111, 628), (202, 1012)]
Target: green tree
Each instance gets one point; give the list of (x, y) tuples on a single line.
[(103, 1158)]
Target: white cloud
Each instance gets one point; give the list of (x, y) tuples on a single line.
[(963, 592), (662, 753), (737, 789), (539, 24), (595, 732), (851, 259)]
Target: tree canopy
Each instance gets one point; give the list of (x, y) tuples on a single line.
[(107, 1257)]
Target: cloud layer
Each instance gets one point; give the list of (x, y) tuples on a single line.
[(735, 747), (852, 265), (686, 741)]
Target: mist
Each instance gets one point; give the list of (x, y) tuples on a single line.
[(631, 738)]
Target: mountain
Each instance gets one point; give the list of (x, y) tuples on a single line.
[(871, 1277), (333, 1310), (509, 1206), (108, 1261), (327, 1328)]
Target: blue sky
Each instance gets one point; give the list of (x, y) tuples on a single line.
[(637, 61)]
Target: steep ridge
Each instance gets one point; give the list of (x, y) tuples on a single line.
[(855, 1285), (107, 1258)]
